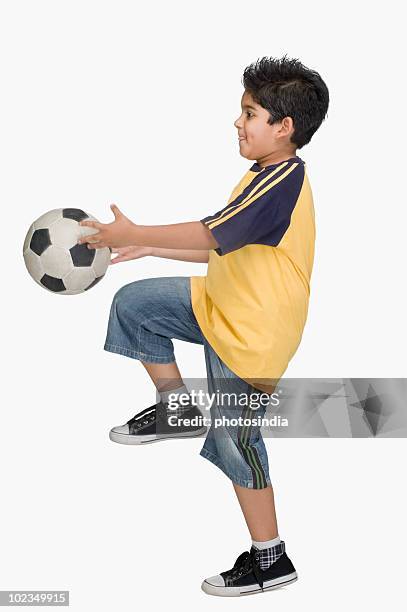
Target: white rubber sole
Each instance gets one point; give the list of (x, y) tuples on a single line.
[(137, 440), (269, 585)]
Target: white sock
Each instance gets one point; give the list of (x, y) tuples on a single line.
[(165, 395), (266, 544)]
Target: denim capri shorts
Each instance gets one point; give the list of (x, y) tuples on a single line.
[(144, 318)]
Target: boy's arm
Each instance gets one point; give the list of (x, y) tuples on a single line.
[(190, 235), (194, 255), (123, 232)]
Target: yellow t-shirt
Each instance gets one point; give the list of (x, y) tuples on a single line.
[(253, 303)]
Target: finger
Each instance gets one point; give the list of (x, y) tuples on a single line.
[(95, 242), (94, 224), (121, 250), (119, 258), (89, 238), (115, 210)]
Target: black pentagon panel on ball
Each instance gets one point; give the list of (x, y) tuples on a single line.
[(53, 284), (74, 213), (82, 256), (40, 241), (94, 282)]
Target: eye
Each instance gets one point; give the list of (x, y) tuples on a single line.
[(248, 113)]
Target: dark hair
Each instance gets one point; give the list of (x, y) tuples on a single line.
[(287, 88)]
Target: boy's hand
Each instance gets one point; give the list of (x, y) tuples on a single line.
[(131, 252), (119, 233)]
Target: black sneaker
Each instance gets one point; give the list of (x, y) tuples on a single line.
[(246, 577), (152, 425)]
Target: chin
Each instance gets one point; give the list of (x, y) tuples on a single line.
[(247, 156)]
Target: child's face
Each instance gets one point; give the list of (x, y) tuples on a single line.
[(257, 138)]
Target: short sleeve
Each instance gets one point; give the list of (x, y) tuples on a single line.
[(261, 214)]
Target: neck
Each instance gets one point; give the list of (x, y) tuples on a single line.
[(275, 158)]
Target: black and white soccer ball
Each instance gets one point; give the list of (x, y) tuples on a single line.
[(55, 260)]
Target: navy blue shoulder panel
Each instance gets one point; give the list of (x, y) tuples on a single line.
[(267, 217)]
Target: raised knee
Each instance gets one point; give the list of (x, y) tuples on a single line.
[(134, 295)]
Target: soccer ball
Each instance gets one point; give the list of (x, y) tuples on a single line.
[(55, 260)]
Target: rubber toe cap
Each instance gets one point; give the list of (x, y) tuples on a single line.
[(121, 429), (215, 580)]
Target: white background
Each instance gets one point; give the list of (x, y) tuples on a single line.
[(134, 103)]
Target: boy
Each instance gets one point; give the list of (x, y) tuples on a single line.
[(249, 311)]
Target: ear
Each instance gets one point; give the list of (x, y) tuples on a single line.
[(287, 125)]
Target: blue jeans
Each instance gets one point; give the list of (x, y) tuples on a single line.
[(145, 315)]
